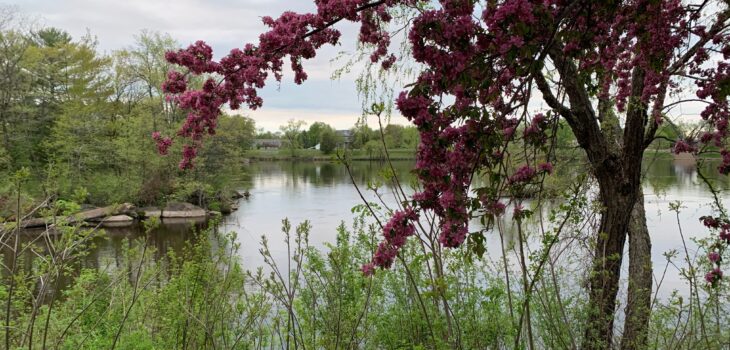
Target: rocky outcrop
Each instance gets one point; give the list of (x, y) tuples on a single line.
[(100, 213), (91, 215), (125, 215), (117, 221), (183, 210), (149, 212), (238, 194)]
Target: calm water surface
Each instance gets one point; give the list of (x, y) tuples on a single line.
[(323, 193)]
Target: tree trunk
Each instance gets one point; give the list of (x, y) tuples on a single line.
[(617, 195), (638, 306), (6, 134)]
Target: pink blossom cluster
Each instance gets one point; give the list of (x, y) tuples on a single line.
[(197, 58), (445, 163), (245, 70), (682, 146), (534, 133), (395, 234), (724, 167), (546, 168), (725, 233), (612, 41), (189, 153), (503, 21), (493, 207), (523, 175), (371, 32), (518, 211), (454, 221), (175, 83), (163, 143), (711, 222), (721, 225), (714, 276), (526, 173), (712, 81)]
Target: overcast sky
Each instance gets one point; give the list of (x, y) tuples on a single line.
[(224, 24)]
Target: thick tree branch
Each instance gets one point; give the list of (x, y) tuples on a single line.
[(636, 118), (585, 125), (550, 98), (656, 115)]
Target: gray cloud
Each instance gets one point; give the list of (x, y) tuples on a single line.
[(224, 24)]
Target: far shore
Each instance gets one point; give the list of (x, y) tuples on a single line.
[(317, 155)]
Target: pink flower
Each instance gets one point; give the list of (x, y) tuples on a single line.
[(714, 276), (396, 231), (453, 233), (163, 143), (189, 153), (518, 211), (400, 227), (710, 221), (522, 175), (493, 207), (175, 83), (725, 235), (384, 255), (387, 63), (508, 132), (682, 146), (546, 167), (368, 269)]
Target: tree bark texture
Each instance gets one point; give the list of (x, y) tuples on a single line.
[(617, 197), (638, 304)]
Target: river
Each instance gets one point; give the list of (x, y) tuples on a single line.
[(323, 193)]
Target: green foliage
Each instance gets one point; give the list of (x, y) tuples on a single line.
[(261, 134), (179, 301), (291, 132), (374, 149), (396, 137), (312, 137), (234, 137), (201, 297), (329, 140), (77, 118)]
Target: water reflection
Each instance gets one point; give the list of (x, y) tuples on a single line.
[(322, 193), (665, 174), (108, 247), (294, 175)]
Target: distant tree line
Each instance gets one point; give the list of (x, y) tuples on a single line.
[(296, 136), (78, 118)]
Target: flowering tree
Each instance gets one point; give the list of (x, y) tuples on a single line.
[(610, 69)]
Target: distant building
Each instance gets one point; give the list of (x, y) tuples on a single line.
[(269, 143), (346, 136)]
